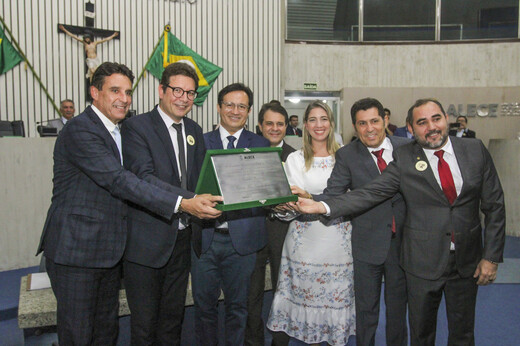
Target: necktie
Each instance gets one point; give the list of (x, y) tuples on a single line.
[(117, 139), (295, 131), (448, 186), (381, 164), (182, 156), (231, 140), (447, 183)]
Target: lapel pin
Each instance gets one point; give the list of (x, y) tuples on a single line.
[(190, 140), (421, 166)]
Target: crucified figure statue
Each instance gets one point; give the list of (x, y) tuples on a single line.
[(92, 59)]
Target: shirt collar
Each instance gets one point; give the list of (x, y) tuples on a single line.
[(448, 148), (166, 118), (224, 133), (386, 144), (109, 125)]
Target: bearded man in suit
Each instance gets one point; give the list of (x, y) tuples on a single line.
[(444, 181)]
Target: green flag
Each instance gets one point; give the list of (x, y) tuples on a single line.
[(171, 50), (9, 56)]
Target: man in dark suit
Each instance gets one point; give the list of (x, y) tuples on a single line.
[(462, 130), (225, 251), (292, 129), (272, 121), (390, 128), (158, 250), (403, 132), (85, 232), (444, 181), (377, 233)]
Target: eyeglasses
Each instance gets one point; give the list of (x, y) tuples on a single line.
[(229, 106), (178, 92)]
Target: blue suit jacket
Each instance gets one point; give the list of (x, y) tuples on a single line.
[(401, 132), (148, 152), (86, 224), (246, 227)]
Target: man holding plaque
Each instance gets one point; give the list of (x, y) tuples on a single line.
[(446, 181), (163, 146), (225, 250), (272, 121), (85, 232)]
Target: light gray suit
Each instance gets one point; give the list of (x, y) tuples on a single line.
[(374, 248), (430, 220)]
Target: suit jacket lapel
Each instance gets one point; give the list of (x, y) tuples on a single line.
[(214, 140), (428, 172), (463, 161), (244, 140), (106, 135), (190, 148), (164, 136), (365, 156)]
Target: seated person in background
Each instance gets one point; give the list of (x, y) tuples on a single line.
[(403, 132), (292, 129), (67, 111), (462, 130), (390, 128)]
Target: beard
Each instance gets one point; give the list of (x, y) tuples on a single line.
[(432, 145)]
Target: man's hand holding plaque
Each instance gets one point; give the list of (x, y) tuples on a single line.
[(201, 206)]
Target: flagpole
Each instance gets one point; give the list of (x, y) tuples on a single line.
[(13, 40), (166, 29)]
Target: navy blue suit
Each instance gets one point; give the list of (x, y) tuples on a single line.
[(290, 131), (157, 256), (85, 231), (226, 261), (401, 132)]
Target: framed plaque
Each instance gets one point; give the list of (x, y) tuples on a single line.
[(245, 178)]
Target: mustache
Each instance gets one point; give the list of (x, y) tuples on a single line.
[(433, 132)]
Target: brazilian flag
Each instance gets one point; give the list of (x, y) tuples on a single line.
[(171, 50), (9, 56)]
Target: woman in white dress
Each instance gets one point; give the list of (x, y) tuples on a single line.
[(314, 301)]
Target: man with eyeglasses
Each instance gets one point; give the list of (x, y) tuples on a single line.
[(163, 146), (224, 251)]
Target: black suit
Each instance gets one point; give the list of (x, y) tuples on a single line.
[(431, 268), (466, 134), (374, 248), (272, 252), (157, 256), (85, 232)]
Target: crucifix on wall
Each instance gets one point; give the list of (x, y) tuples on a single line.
[(91, 58)]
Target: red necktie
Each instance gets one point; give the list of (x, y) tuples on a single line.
[(447, 183), (381, 164)]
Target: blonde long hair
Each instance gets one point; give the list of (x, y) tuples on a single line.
[(332, 145)]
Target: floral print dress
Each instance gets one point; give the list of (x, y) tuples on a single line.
[(314, 301)]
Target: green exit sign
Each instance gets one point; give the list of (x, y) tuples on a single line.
[(310, 86)]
